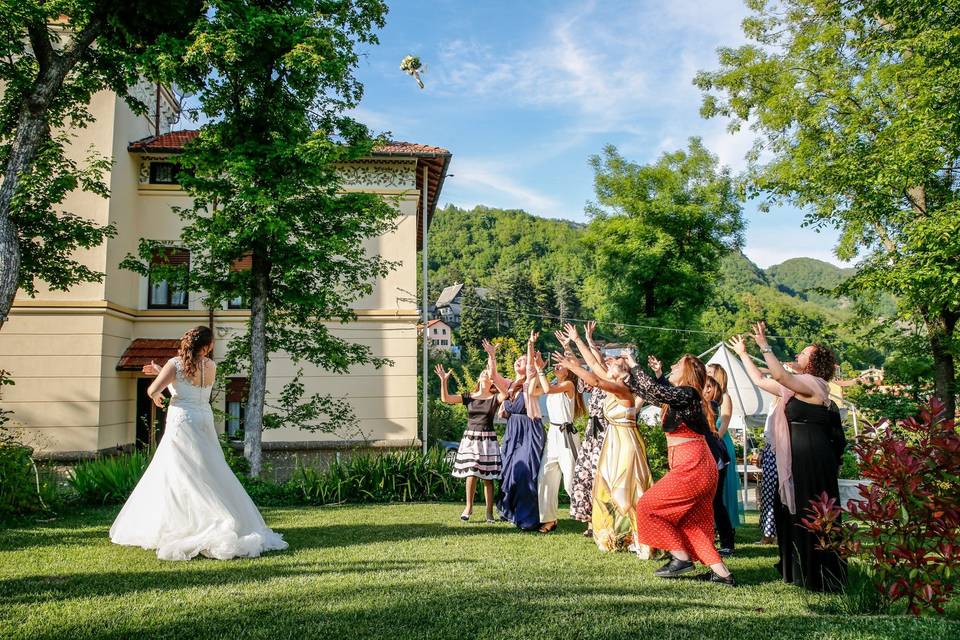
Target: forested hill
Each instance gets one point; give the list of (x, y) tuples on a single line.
[(538, 266), (474, 244)]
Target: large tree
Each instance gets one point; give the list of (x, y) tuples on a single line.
[(656, 239), (269, 222), (54, 55), (857, 110)]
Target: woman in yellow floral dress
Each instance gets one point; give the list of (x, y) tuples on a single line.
[(622, 472)]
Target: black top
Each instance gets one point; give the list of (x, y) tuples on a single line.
[(820, 416), (480, 412), (683, 404)]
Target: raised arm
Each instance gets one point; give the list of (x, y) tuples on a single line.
[(166, 376), (595, 364), (739, 347), (588, 337), (801, 385), (445, 395), (618, 389), (655, 392), (501, 383)]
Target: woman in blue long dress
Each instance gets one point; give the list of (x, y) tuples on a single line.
[(731, 490), (522, 447)]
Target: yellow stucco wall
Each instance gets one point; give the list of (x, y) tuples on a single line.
[(62, 348)]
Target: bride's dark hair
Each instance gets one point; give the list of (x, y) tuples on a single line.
[(191, 344)]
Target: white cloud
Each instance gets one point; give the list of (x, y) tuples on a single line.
[(478, 182)]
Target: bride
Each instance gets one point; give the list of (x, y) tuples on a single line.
[(189, 502)]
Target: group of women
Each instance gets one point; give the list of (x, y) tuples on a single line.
[(607, 476)]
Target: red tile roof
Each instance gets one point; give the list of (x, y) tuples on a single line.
[(399, 148), (175, 140), (172, 142), (144, 350), (435, 159)]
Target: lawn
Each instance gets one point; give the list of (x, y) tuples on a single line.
[(402, 571)]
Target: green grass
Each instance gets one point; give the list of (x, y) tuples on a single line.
[(403, 571)]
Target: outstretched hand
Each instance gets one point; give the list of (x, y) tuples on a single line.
[(760, 334), (571, 330), (490, 347), (538, 360), (533, 337), (444, 374), (152, 369), (655, 365), (562, 338), (564, 359), (588, 329), (738, 344)]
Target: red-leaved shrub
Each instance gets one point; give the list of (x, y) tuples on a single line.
[(905, 527)]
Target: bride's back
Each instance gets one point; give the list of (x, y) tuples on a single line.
[(192, 390)]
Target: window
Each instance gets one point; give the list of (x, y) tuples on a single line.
[(243, 264), (164, 172), (236, 405), (162, 294), (443, 331)]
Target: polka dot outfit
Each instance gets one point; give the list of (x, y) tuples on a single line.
[(768, 492), (677, 511)]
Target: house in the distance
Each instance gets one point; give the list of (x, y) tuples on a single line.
[(440, 335), (450, 303)]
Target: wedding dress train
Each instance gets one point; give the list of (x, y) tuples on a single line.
[(189, 502)]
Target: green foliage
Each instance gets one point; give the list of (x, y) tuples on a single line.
[(48, 78), (849, 467), (108, 479), (18, 494), (401, 476), (237, 463), (875, 404), (447, 421), (855, 107), (273, 80), (656, 240), (655, 441)]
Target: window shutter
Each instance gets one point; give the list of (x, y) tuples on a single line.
[(243, 264), (172, 256), (237, 389)]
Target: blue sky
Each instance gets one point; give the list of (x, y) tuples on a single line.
[(523, 92)]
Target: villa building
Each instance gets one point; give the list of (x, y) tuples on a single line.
[(76, 356)]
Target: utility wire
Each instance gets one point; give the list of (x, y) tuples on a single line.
[(617, 324)]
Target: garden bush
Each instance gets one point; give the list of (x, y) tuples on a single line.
[(109, 479), (905, 528), (400, 476)]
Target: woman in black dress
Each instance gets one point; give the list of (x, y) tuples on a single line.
[(808, 441), (478, 456)]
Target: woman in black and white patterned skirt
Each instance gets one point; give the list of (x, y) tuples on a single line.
[(581, 502), (479, 454)]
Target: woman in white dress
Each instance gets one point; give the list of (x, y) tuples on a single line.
[(189, 502)]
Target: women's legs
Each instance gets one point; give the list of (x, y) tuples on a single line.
[(471, 489), (721, 517), (488, 497)]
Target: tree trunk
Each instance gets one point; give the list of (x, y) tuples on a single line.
[(31, 130), (253, 422), (940, 332)]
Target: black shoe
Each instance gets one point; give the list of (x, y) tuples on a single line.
[(710, 576), (674, 569), (726, 552)]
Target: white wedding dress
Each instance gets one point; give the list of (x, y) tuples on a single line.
[(189, 502)]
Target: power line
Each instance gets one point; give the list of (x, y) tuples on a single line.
[(618, 324)]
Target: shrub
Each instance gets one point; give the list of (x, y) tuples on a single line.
[(656, 443), (237, 463), (905, 528), (109, 479), (18, 489), (400, 476)]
